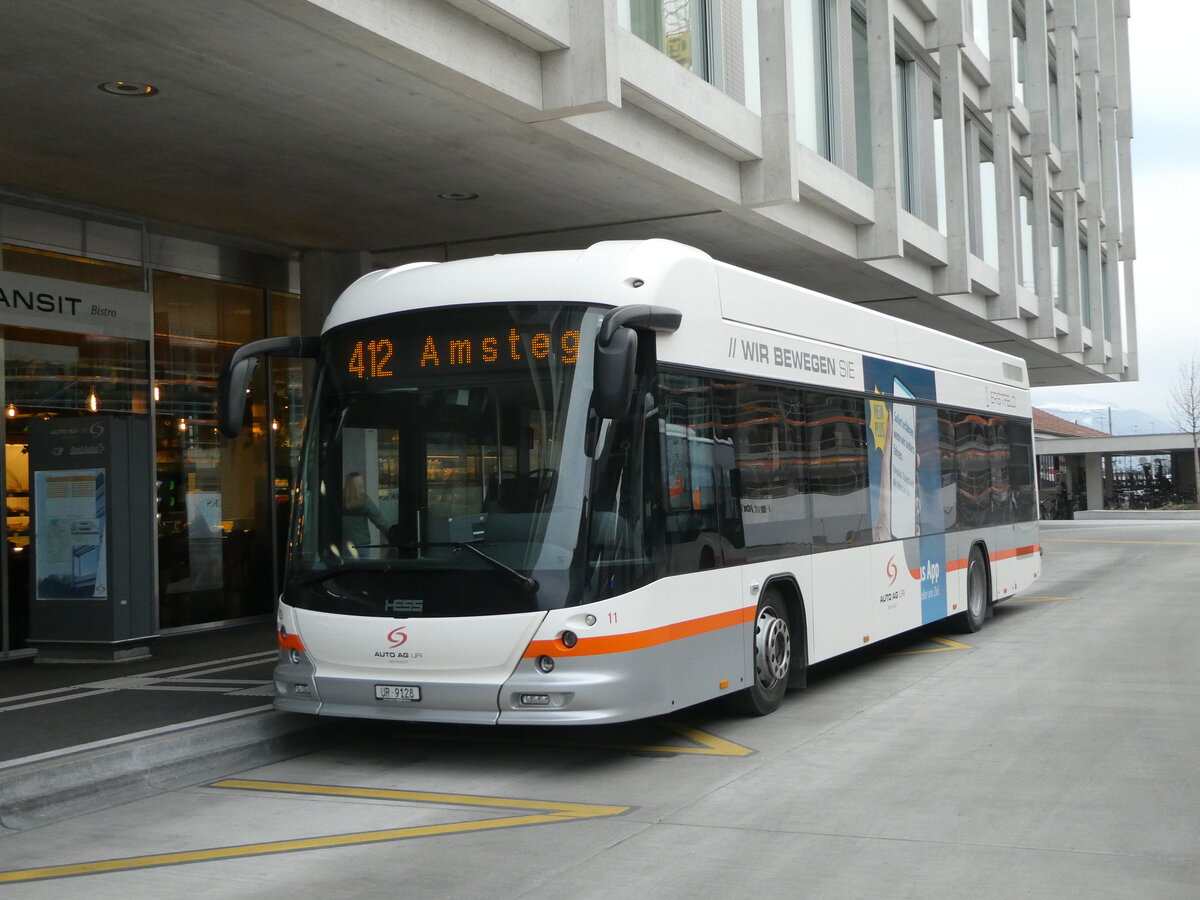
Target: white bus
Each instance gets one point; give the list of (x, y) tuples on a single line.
[(599, 485)]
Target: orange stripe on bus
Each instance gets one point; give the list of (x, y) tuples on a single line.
[(640, 640), (955, 564), (1014, 552)]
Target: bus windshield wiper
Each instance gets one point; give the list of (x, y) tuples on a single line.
[(524, 582)]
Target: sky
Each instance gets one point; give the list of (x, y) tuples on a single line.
[(1166, 202)]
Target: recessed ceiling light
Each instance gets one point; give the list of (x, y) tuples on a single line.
[(457, 195), (128, 88)]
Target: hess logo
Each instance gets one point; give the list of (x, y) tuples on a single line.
[(892, 570), (397, 637)]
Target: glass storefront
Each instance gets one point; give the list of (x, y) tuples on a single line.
[(221, 506), (210, 514)]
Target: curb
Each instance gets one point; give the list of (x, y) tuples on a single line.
[(1146, 515), (49, 787)]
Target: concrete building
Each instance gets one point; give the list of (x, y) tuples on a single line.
[(178, 178)]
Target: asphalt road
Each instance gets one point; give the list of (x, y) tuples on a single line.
[(1053, 754)]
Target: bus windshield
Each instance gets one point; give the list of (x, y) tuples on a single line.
[(445, 472)]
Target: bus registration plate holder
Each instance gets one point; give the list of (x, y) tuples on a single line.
[(403, 692)]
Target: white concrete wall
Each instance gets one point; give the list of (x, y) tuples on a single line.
[(574, 70)]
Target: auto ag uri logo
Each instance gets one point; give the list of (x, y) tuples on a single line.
[(892, 570), (397, 636)]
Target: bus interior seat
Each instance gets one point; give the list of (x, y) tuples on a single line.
[(500, 527), (518, 493)]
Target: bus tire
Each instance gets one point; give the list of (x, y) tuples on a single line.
[(772, 656), (972, 618)]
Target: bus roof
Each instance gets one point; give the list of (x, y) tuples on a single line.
[(721, 304)]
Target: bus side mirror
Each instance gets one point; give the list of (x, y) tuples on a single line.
[(235, 377), (231, 395), (616, 354), (612, 379)]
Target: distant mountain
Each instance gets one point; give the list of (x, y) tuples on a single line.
[(1124, 421)]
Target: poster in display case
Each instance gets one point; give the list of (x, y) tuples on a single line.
[(71, 549)]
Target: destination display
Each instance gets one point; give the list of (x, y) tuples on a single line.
[(409, 347)]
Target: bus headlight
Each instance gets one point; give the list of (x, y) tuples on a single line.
[(545, 664)]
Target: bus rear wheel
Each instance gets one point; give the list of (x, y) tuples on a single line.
[(972, 619), (772, 656)]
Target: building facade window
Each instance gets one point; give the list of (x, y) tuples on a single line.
[(1020, 60), (983, 233), (751, 78), (939, 165), (1058, 262), (679, 28), (1025, 212), (1085, 285), (1055, 106), (1107, 292), (977, 11), (812, 65), (906, 128), (1079, 134), (864, 165)]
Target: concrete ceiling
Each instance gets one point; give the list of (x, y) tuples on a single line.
[(267, 129), (288, 137)]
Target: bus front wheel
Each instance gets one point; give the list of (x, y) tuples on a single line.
[(772, 656), (972, 619)]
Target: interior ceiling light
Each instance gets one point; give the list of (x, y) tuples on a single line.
[(128, 88), (457, 195)]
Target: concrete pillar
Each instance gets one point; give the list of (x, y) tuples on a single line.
[(774, 179), (324, 274), (584, 77), (958, 161), (1095, 480), (881, 239)]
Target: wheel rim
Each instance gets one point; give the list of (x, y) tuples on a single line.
[(975, 589), (772, 648)]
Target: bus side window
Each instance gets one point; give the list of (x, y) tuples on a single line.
[(998, 453), (760, 423), (946, 452), (837, 470), (1021, 473), (690, 477), (974, 470)]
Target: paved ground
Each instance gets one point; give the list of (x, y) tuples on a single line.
[(1050, 755), (48, 707)]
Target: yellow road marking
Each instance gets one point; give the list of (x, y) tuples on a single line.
[(709, 744), (546, 812), (1035, 599), (572, 810), (1098, 541), (947, 644), (704, 744)]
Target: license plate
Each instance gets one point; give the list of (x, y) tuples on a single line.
[(409, 692)]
